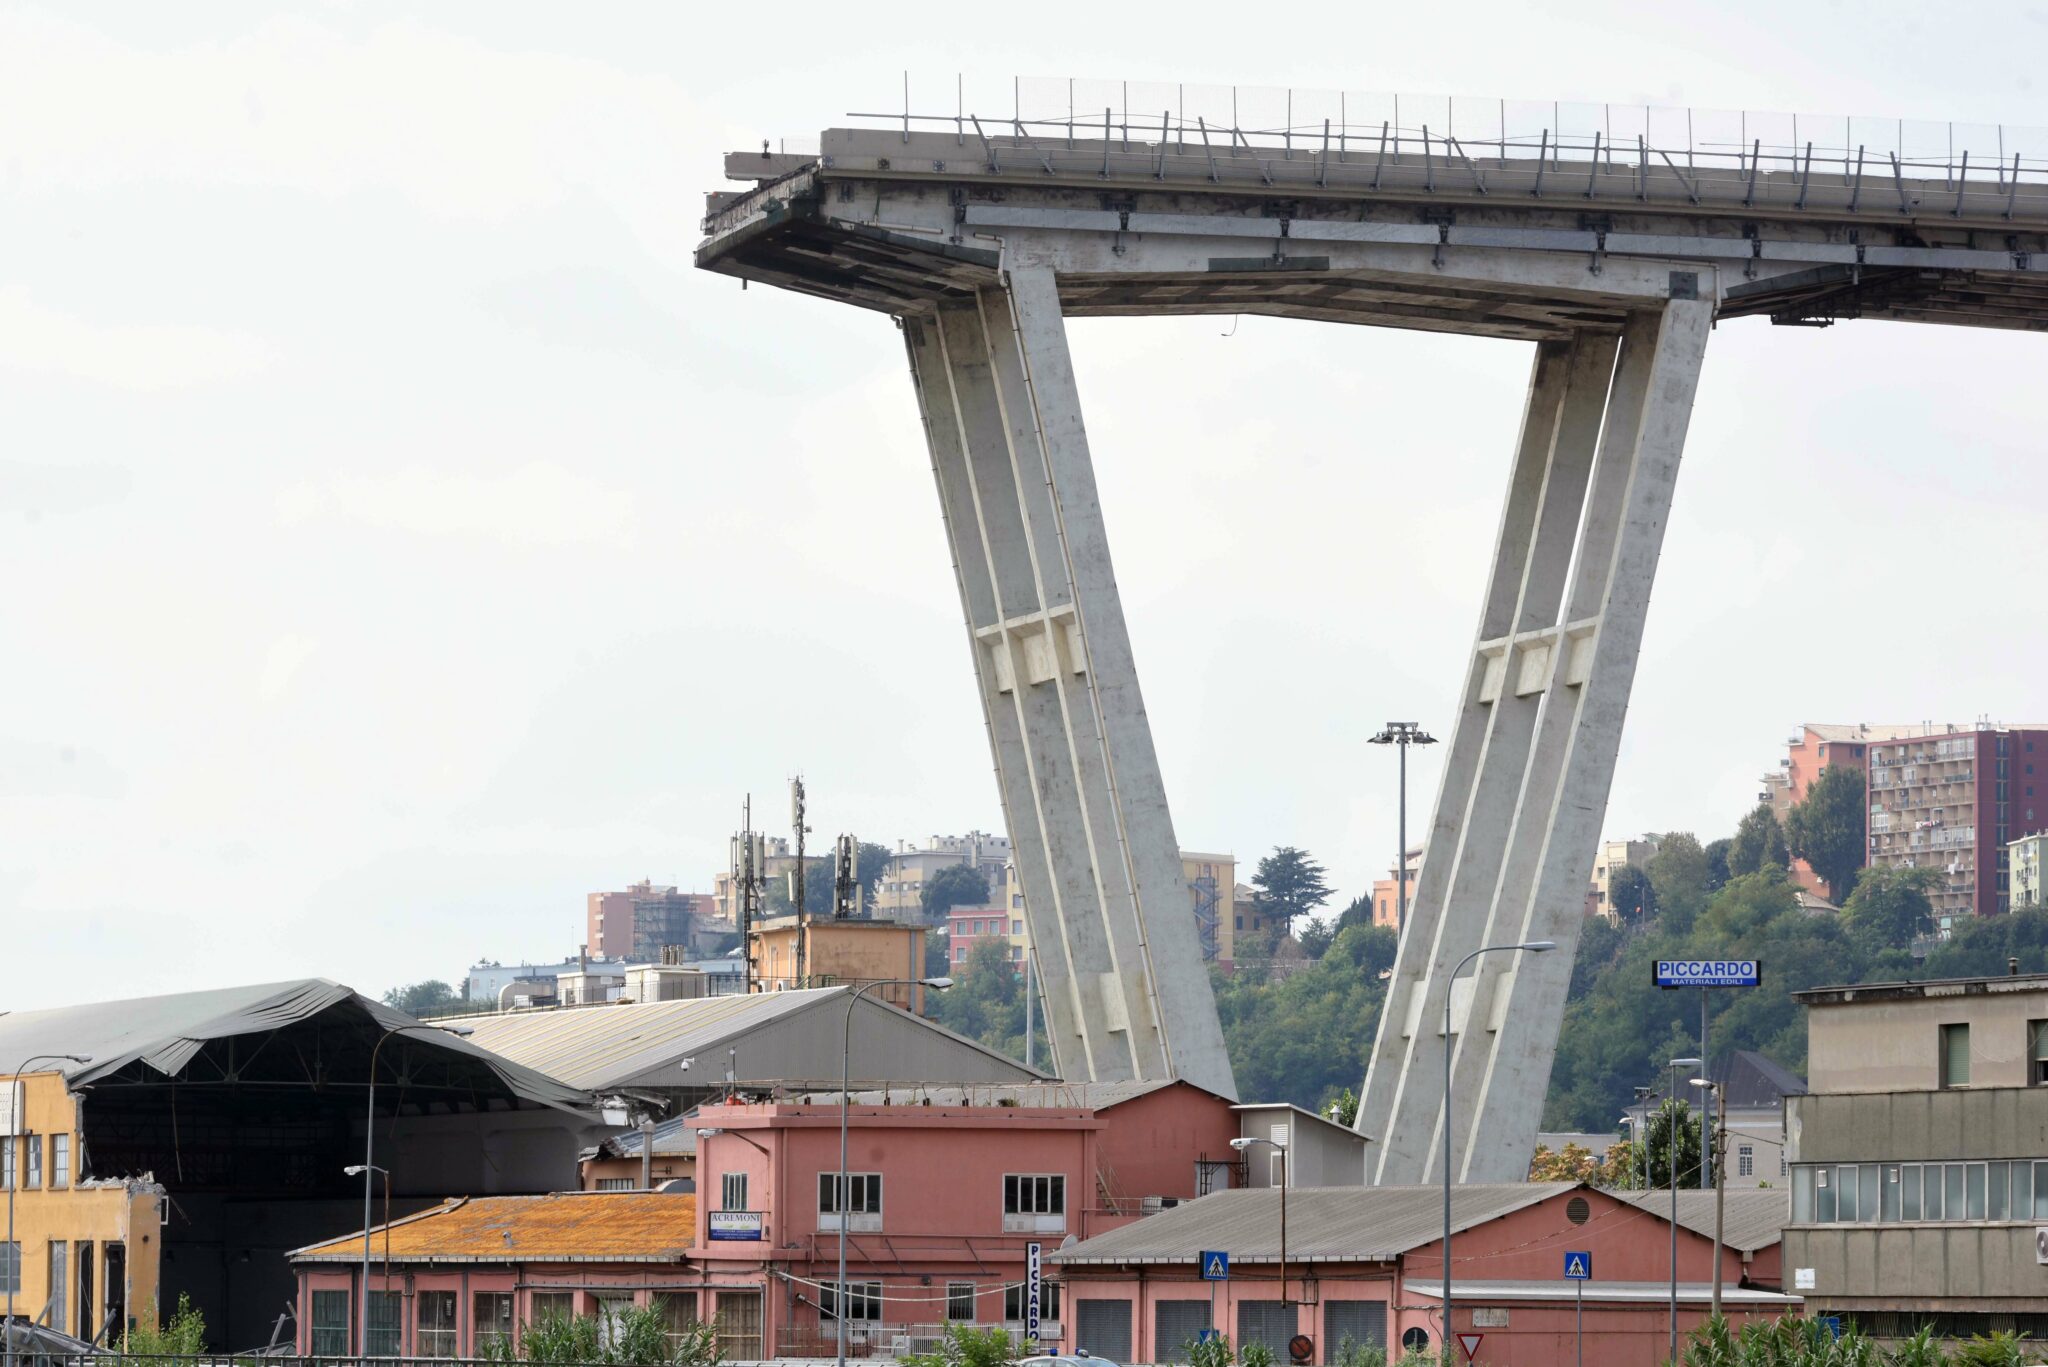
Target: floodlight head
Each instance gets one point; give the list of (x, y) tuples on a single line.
[(457, 1029), (1687, 1063), (941, 984), (1540, 946), (79, 1058), (1240, 1144), (709, 1131), (1706, 1082)]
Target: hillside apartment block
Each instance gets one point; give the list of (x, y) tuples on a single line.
[(1947, 797)]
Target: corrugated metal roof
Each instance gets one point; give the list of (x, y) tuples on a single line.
[(573, 1226), (1324, 1224), (674, 1137), (165, 1033), (1755, 1218), (1095, 1096), (1422, 1294), (627, 1044)]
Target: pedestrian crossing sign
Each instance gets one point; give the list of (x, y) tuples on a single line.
[(1215, 1267), (1578, 1267)]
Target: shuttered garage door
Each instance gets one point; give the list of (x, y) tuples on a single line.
[(1178, 1322), (1267, 1322), (1103, 1329), (1363, 1322)]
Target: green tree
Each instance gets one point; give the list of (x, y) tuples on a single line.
[(1678, 875), (1825, 828), (1304, 1038), (957, 885), (419, 998), (1357, 912), (1890, 906), (986, 1001), (1288, 886), (967, 1345), (1717, 863), (818, 889), (1672, 1116), (1759, 840), (1315, 937), (1342, 1108), (1631, 895)]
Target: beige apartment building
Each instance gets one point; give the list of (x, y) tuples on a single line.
[(1612, 857), (1920, 1156), (2024, 858), (900, 893)]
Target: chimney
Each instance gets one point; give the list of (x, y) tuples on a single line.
[(2012, 967), (583, 958)]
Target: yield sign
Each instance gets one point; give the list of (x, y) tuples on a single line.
[(1470, 1343)]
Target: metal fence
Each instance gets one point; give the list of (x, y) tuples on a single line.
[(1050, 114)]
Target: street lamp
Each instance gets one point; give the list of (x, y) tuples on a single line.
[(1533, 947), (1671, 1168), (1241, 1145), (14, 1181), (1720, 1152), (369, 1166), (1403, 734), (845, 1087)]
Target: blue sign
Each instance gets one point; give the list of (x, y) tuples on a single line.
[(1034, 1287), (1833, 1324), (1207, 1335), (1709, 972), (1578, 1267), (1215, 1267)]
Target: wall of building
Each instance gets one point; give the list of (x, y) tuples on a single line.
[(1880, 1127), (1989, 1267), (840, 952), (1888, 1044), (85, 1216)]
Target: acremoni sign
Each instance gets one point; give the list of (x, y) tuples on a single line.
[(1709, 972)]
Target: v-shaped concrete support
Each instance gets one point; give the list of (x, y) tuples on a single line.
[(1127, 996), (1527, 772)]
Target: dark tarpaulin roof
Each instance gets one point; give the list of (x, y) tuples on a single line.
[(166, 1033)]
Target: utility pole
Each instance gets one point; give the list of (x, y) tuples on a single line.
[(749, 865), (1402, 734), (796, 816)]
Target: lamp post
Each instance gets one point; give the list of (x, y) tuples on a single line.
[(369, 1166), (845, 1087), (1671, 1169), (14, 1181), (1403, 734), (1241, 1145), (1720, 1151), (1533, 947)]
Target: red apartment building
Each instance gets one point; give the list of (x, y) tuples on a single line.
[(637, 924), (1019, 1164), (1940, 796), (967, 927)]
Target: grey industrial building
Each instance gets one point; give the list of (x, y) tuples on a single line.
[(1920, 1156)]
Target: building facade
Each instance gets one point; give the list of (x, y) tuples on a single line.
[(1386, 892), (1365, 1265), (1611, 858), (1812, 749), (967, 927), (1920, 1156), (900, 893), (1021, 1164), (2024, 860), (465, 1278), (834, 953), (644, 920)]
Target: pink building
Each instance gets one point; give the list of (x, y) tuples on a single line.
[(450, 1280), (967, 927), (946, 1188), (1366, 1264)]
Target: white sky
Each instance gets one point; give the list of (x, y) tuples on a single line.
[(399, 539)]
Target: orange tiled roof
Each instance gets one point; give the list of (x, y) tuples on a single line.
[(572, 1226)]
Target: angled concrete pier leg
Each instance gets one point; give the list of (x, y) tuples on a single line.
[(1127, 995), (1532, 755)]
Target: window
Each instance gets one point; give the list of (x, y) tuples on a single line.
[(1016, 925), (330, 1324), (8, 1147), (549, 1305), (863, 1301), (435, 1337), (1034, 1204), (387, 1323), (1955, 1055), (10, 1268), (863, 1202), (732, 1191), (1016, 1298), (60, 1257), (737, 1321), (2037, 1052), (1745, 1160), (678, 1318), (490, 1324), (960, 1300), (60, 1162), (32, 1175), (615, 1184)]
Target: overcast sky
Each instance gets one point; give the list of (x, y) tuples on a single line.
[(399, 539)]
